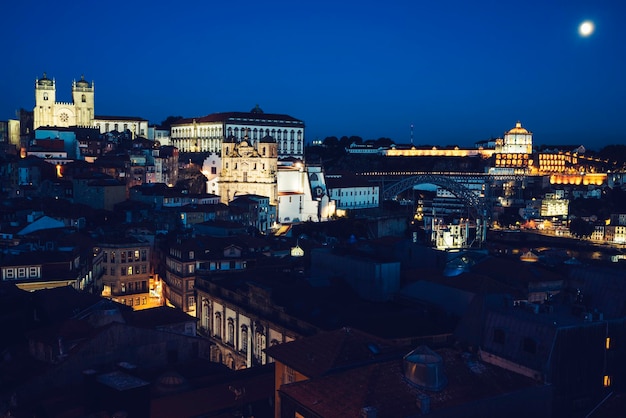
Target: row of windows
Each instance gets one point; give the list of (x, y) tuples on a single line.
[(130, 287), (354, 193), (130, 270), (135, 301), (124, 256), (9, 273)]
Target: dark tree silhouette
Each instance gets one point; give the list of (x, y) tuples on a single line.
[(580, 228)]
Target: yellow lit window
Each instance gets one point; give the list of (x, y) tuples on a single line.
[(607, 381), (608, 343)]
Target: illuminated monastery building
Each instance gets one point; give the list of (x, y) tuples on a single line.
[(205, 134)]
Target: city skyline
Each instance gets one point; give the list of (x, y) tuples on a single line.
[(458, 73)]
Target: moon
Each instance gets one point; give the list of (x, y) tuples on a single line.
[(586, 28)]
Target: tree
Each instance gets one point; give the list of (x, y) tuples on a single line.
[(167, 123), (580, 228), (331, 142), (614, 153)]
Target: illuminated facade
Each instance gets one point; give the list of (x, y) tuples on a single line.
[(516, 141), (249, 168), (135, 125), (242, 333), (553, 205), (49, 112), (127, 273), (302, 194), (206, 134)]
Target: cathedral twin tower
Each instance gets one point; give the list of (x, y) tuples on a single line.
[(49, 112)]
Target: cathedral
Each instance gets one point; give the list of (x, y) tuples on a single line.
[(80, 112), (49, 112)]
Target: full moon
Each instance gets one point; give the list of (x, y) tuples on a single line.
[(586, 28)]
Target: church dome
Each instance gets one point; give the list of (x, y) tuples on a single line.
[(518, 129), (82, 82), (256, 109), (44, 81)]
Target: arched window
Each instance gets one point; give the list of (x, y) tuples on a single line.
[(259, 342), (244, 339), (83, 98), (206, 315), (218, 325), (45, 96), (231, 331)]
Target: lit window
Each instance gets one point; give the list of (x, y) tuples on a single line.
[(289, 375), (607, 381), (608, 343)]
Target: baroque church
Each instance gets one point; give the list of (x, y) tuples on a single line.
[(249, 168)]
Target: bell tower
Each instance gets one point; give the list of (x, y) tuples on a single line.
[(83, 99), (45, 99)]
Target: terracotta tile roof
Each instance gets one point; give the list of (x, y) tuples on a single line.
[(159, 316), (324, 352), (384, 387), (243, 118)]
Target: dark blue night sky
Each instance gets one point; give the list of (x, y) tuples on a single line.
[(460, 71)]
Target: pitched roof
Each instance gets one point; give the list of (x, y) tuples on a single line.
[(244, 118), (159, 316), (327, 351), (383, 386)]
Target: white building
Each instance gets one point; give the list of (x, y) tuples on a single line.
[(80, 111), (351, 192), (554, 205), (211, 168), (517, 140), (205, 134), (302, 194), (136, 125), (157, 134), (49, 112)]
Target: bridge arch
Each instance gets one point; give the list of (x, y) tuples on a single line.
[(459, 190)]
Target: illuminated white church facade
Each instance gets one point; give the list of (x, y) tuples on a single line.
[(80, 111), (49, 112)]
